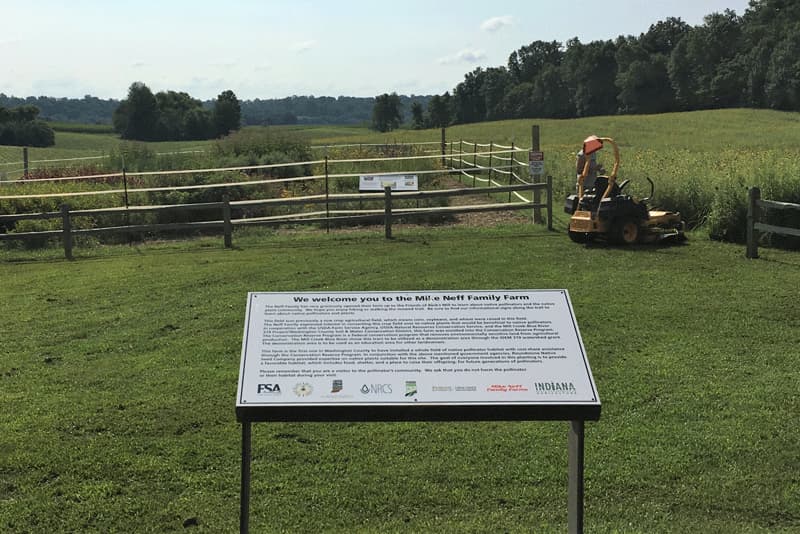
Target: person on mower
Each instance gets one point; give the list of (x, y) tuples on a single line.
[(594, 170)]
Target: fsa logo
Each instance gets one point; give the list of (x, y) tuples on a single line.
[(269, 389)]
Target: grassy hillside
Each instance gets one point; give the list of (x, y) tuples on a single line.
[(700, 131), (701, 162)]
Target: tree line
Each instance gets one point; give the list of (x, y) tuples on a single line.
[(273, 111), (86, 110), (751, 60)]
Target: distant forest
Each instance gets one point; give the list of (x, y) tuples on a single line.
[(749, 60), (290, 110)]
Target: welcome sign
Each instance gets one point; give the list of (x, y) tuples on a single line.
[(411, 350)]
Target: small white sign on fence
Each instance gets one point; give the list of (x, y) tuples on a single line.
[(536, 162), (398, 182)]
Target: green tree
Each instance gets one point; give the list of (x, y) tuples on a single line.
[(782, 83), (495, 84), (137, 116), (386, 112), (681, 69), (591, 70), (174, 109), (770, 30), (417, 116), (518, 102), (527, 63), (664, 36), (227, 113), (705, 68), (642, 77), (198, 125), (21, 127), (551, 96), (469, 102), (439, 115)]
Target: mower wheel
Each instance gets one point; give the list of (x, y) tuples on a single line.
[(579, 237), (625, 231)]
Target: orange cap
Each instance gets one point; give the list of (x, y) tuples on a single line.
[(592, 144)]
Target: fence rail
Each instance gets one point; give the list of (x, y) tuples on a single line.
[(755, 206), (389, 214), (493, 169)]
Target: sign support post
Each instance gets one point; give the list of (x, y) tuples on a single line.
[(244, 496), (575, 484)]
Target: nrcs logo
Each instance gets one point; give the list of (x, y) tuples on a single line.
[(376, 389)]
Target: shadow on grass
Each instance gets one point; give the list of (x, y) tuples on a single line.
[(280, 240)]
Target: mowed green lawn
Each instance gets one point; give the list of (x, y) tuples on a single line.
[(118, 375)]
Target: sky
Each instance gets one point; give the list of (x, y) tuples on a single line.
[(278, 48)]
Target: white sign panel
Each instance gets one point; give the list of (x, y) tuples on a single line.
[(536, 162), (398, 182), (431, 347)]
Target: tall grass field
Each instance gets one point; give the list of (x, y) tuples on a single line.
[(702, 163)]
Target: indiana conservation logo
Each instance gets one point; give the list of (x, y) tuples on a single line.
[(337, 386), (555, 388), (411, 388)]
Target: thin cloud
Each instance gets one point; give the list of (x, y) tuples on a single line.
[(464, 56), (497, 23), (304, 46)]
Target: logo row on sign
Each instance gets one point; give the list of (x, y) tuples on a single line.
[(304, 389)]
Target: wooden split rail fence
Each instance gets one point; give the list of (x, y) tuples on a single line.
[(327, 216), (754, 208)]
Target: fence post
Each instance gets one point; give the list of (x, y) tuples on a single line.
[(451, 155), (474, 162), (66, 225), (754, 195), (444, 148), (460, 157), (226, 220), (327, 199), (537, 198), (550, 203), (25, 162), (387, 211), (491, 149), (511, 170)]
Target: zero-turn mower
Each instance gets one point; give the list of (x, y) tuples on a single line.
[(602, 209)]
